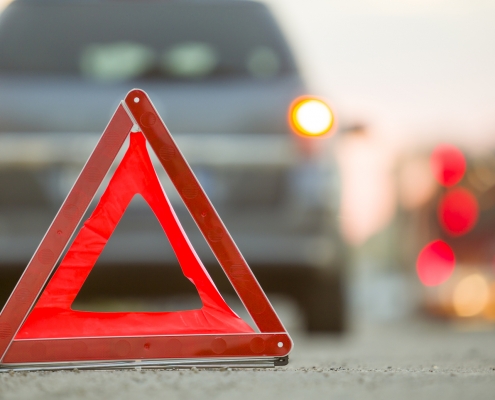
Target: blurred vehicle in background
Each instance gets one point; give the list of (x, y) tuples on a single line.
[(456, 237), (223, 78)]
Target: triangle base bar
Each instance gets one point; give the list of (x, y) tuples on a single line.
[(262, 362), (32, 351)]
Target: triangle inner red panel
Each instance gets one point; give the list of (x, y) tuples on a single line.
[(52, 316)]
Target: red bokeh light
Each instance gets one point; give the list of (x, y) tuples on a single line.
[(448, 164), (458, 211), (435, 263)]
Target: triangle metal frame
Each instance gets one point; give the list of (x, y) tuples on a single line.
[(272, 342)]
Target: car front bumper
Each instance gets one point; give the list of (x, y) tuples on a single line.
[(282, 229)]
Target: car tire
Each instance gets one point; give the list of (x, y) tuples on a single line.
[(323, 303)]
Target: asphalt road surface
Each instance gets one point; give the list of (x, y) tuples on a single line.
[(403, 361)]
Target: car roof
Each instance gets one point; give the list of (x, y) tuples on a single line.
[(129, 1)]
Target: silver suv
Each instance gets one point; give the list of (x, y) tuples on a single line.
[(223, 79)]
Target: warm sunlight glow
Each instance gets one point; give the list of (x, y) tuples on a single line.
[(4, 3)]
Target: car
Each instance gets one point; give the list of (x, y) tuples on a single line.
[(224, 80)]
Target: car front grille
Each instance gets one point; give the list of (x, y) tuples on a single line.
[(21, 188), (254, 187)]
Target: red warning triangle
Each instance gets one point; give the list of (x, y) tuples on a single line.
[(49, 331), (52, 316)]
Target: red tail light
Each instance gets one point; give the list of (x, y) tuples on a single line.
[(435, 264), (458, 211), (448, 164)]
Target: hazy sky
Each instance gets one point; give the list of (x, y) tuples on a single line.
[(414, 69)]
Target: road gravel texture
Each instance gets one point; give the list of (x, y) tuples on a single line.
[(398, 361)]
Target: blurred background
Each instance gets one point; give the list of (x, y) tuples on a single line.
[(347, 145)]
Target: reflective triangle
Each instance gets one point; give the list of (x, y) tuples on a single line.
[(52, 317), (50, 331)]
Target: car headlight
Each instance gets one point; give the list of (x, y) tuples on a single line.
[(310, 117)]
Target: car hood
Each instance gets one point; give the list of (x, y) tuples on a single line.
[(49, 104)]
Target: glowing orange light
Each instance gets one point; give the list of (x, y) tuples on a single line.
[(448, 164), (458, 211), (471, 296), (435, 263), (310, 116), (489, 311)]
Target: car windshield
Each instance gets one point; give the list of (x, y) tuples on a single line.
[(121, 41)]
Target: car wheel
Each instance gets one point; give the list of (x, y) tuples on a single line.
[(323, 303)]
